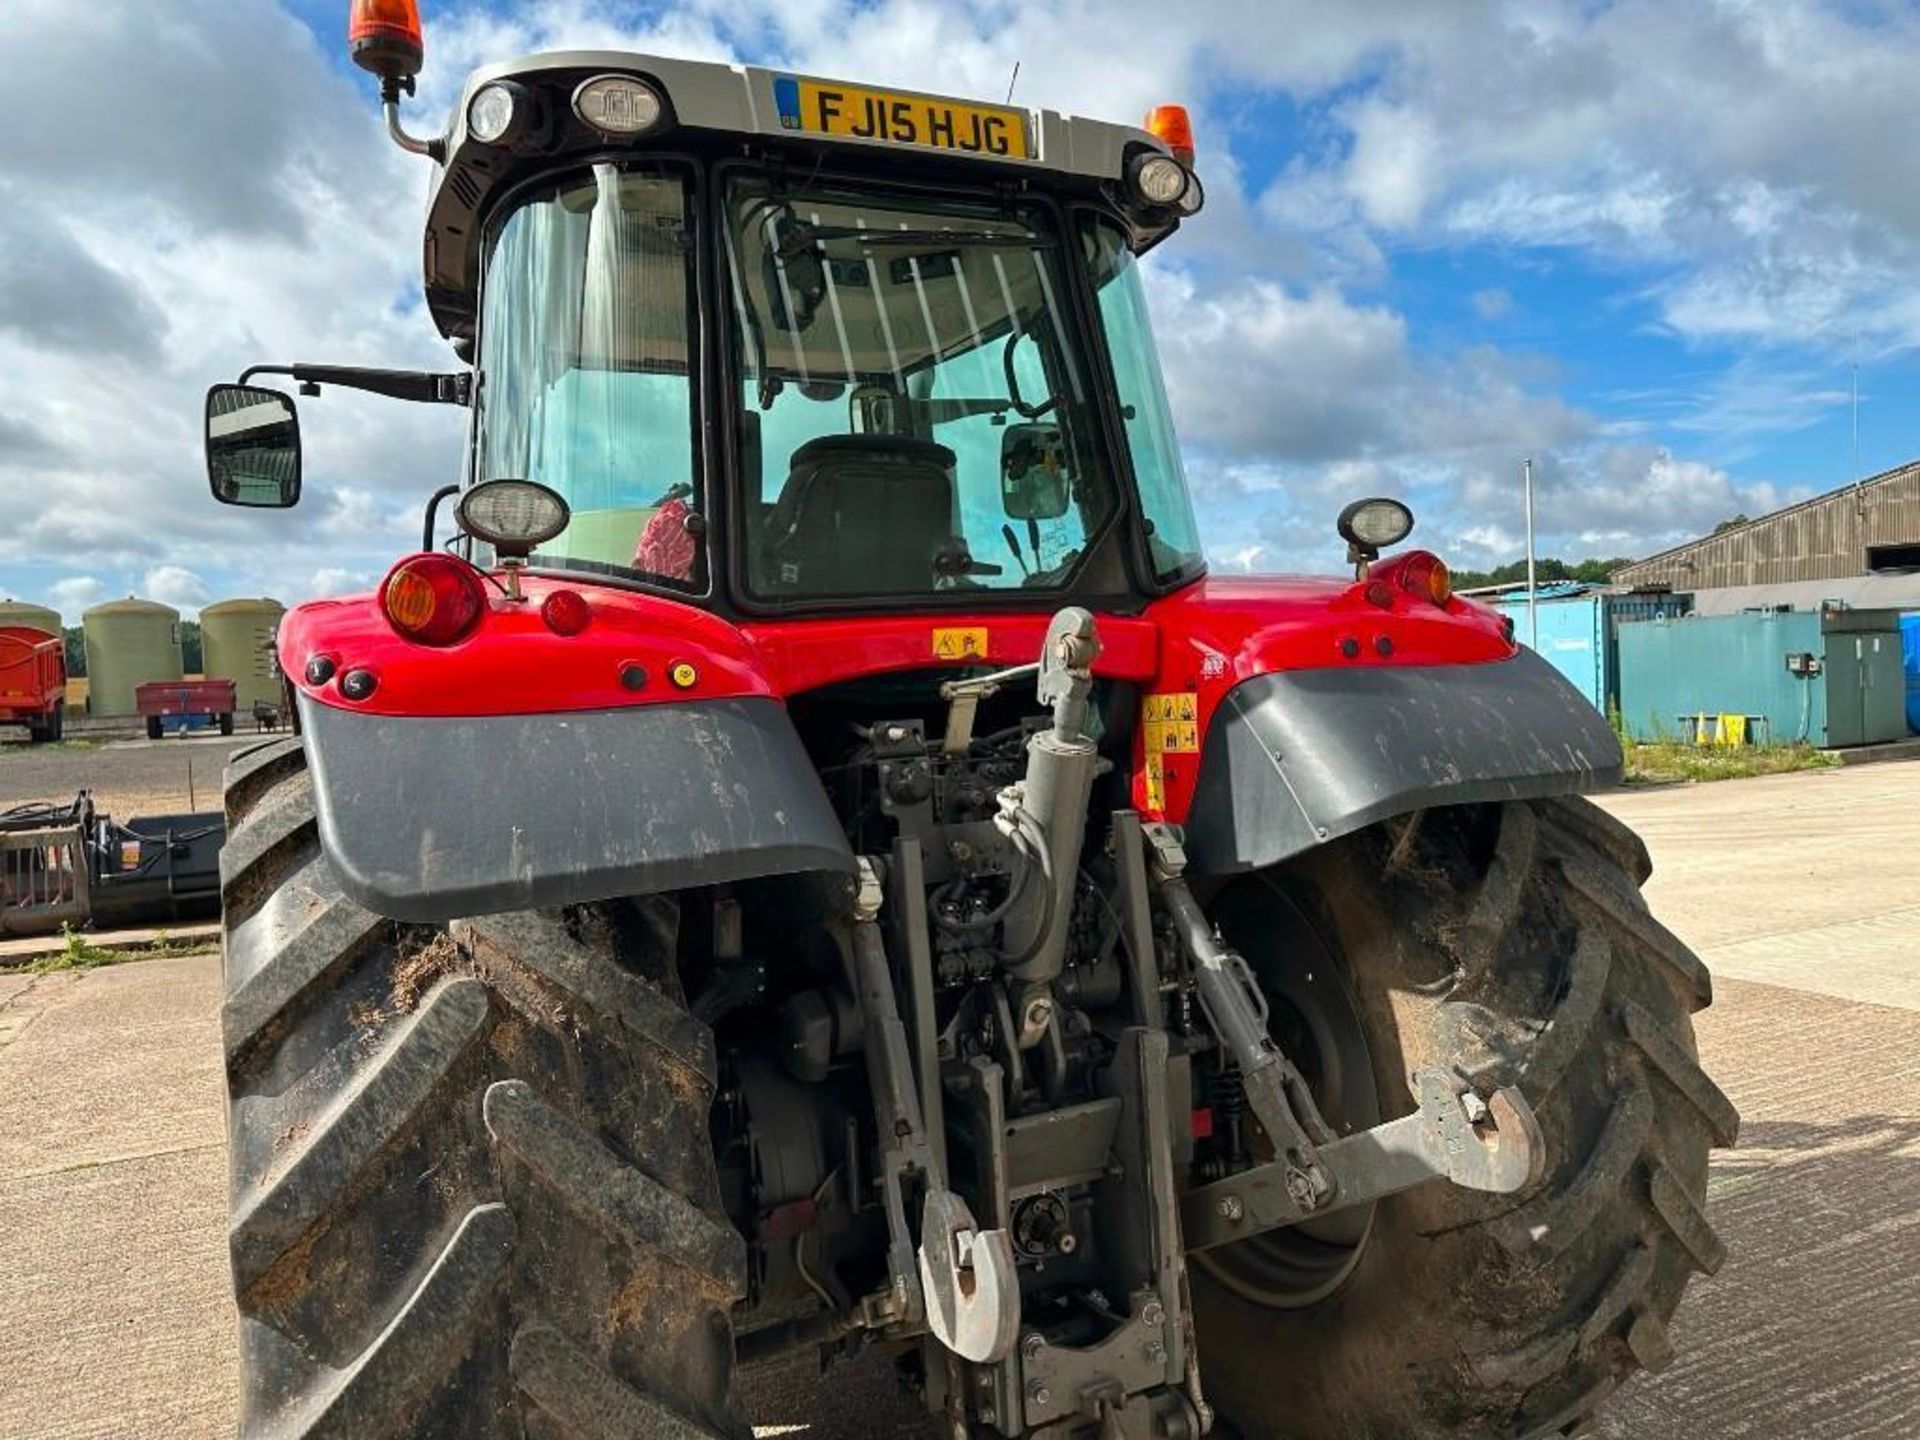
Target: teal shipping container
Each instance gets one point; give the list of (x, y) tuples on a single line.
[(1832, 678), (1580, 630)]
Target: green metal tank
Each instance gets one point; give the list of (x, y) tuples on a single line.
[(236, 643), (129, 642), (38, 617)]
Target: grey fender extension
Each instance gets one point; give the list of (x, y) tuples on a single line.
[(1296, 758)]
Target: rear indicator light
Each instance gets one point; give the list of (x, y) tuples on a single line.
[(565, 612), (1419, 573), (1426, 575), (433, 599)]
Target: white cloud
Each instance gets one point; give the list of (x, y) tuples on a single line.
[(72, 594), (177, 586), (1749, 165)]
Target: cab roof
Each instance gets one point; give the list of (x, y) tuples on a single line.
[(708, 100)]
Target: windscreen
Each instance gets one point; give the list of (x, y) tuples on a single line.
[(917, 413), (586, 361)]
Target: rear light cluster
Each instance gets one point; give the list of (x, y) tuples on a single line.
[(433, 599), (1419, 573)]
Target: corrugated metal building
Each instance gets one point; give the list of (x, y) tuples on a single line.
[(1859, 544)]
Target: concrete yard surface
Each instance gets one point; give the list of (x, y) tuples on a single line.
[(1802, 890)]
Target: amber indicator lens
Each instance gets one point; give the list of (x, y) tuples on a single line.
[(433, 599)]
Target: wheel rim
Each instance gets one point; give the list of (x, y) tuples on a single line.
[(1317, 1022)]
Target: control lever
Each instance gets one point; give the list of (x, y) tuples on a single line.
[(963, 699)]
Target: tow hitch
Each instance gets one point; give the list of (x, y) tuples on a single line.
[(1491, 1144)]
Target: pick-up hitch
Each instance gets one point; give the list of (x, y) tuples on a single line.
[(1490, 1144)]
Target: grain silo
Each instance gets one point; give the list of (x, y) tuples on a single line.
[(236, 643), (129, 642), (37, 617)]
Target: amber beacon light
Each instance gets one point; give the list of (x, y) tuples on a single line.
[(384, 36)]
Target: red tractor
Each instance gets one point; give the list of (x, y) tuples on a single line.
[(815, 863)]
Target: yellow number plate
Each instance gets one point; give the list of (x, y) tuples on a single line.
[(821, 107)]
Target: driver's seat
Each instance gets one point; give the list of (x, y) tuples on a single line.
[(862, 514)]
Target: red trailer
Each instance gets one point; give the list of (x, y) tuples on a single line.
[(188, 699), (33, 680)]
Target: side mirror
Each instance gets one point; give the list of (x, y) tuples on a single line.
[(1035, 482), (253, 447)]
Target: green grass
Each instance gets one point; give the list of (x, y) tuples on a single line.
[(55, 747), (1667, 761), (77, 952)]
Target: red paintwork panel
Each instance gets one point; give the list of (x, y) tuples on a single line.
[(1198, 642), (1222, 630)]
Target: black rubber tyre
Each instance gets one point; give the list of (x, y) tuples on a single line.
[(1509, 944), (226, 722), (473, 1187), (153, 727)]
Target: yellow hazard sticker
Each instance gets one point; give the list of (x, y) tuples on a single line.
[(1156, 783), (1173, 737), (960, 643), (1170, 723), (1172, 705)]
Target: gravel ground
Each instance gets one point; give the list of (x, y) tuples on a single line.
[(127, 777), (1803, 890)]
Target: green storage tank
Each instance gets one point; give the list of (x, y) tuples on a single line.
[(1829, 677), (37, 617), (129, 642), (236, 643)]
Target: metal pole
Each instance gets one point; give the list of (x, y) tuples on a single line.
[(1533, 607)]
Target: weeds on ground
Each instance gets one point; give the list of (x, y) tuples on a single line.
[(23, 746), (1666, 761), (77, 952)]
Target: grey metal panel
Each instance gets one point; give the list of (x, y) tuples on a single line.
[(1825, 538), (1300, 757), (1863, 592), (433, 818)]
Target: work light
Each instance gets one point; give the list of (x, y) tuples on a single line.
[(618, 105), (1159, 179), (513, 516), (1375, 524), (498, 112)]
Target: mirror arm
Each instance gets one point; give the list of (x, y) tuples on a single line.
[(433, 513), (424, 387)]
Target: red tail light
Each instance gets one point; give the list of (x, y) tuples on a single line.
[(1420, 573), (433, 599), (565, 612)]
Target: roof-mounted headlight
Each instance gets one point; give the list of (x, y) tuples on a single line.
[(499, 113), (619, 105), (1194, 198), (1158, 179)]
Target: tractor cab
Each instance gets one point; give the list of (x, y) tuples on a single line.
[(786, 344)]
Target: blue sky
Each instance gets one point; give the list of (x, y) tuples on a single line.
[(1644, 243)]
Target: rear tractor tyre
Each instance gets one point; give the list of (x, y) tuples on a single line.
[(1510, 945), (473, 1188), (226, 722)]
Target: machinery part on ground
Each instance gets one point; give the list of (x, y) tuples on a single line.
[(473, 1191), (69, 865), (1509, 943)]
